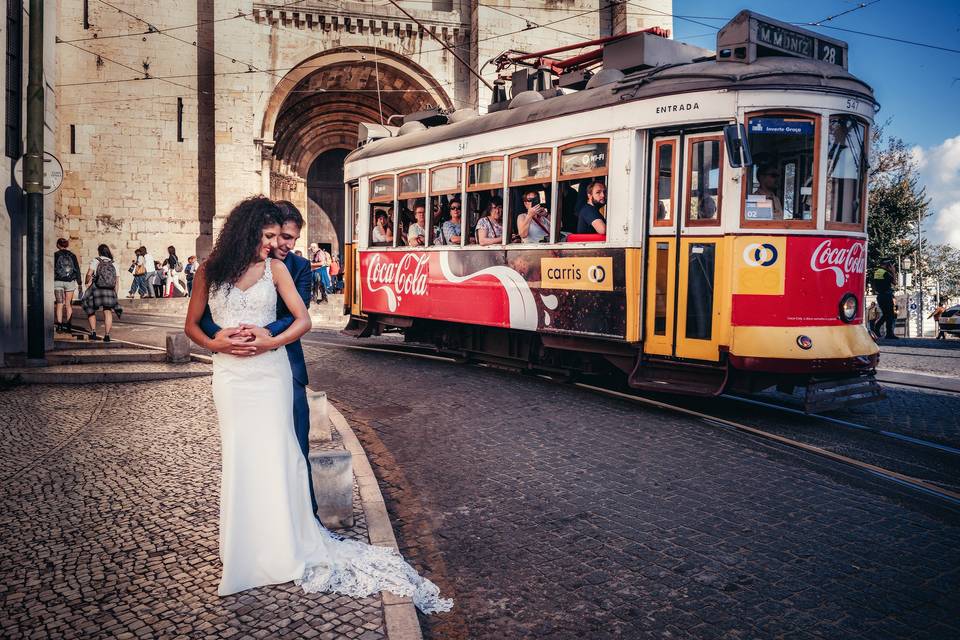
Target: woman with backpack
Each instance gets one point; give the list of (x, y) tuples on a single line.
[(66, 282), (102, 283)]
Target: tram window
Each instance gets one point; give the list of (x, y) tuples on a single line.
[(575, 196), (660, 301), (700, 268), (530, 213), (412, 230), (445, 209), (381, 211), (704, 174), (381, 225), (484, 200), (663, 194), (783, 174), (846, 167), (531, 166), (486, 203), (444, 222)]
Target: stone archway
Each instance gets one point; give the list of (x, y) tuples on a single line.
[(325, 205), (314, 111)]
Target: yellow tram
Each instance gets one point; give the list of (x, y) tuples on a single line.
[(730, 251)]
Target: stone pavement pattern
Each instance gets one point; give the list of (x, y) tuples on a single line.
[(549, 512), (108, 522)]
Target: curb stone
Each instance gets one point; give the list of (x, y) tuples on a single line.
[(399, 614)]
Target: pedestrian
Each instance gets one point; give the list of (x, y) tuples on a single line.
[(324, 274), (884, 278), (141, 268), (317, 263), (936, 319), (189, 271), (102, 280), (335, 273), (174, 269), (66, 283), (155, 280), (873, 315)]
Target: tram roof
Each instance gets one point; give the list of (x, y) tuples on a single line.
[(773, 72)]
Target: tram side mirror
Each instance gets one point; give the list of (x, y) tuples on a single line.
[(738, 148)]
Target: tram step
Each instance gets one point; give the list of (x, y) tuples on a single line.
[(671, 377), (828, 395)]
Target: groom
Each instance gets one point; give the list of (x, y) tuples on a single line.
[(250, 340)]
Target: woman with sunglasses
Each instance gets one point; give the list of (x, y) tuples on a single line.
[(450, 229)]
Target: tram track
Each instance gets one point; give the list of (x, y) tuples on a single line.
[(923, 467)]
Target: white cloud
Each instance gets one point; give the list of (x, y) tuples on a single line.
[(940, 174)]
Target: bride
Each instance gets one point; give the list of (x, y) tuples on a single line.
[(268, 534)]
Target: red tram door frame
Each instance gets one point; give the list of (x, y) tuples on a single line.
[(678, 323)]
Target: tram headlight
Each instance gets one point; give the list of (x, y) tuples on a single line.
[(848, 307)]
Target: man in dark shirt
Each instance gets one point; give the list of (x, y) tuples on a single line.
[(589, 218), (884, 279)]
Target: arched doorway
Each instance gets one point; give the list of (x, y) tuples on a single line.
[(325, 204), (310, 124)]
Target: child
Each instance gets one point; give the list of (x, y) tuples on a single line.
[(190, 270), (156, 280)]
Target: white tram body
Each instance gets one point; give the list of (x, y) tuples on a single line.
[(714, 272)]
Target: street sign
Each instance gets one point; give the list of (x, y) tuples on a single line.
[(52, 173), (913, 306)]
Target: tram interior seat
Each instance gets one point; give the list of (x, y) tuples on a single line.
[(586, 237)]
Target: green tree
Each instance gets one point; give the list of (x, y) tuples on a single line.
[(941, 269), (897, 202)]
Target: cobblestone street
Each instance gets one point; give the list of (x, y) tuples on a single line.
[(549, 512), (109, 523)]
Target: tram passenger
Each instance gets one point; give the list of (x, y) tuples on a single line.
[(490, 227), (450, 229), (382, 230), (416, 232), (590, 220), (768, 178), (533, 225)]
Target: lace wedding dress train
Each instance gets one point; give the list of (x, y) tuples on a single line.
[(268, 533)]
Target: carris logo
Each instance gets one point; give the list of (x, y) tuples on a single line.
[(760, 255), (842, 262), (406, 277)]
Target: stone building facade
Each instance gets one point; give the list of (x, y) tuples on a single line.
[(265, 97), (14, 25)]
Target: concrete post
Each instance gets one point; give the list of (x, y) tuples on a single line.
[(178, 347), (319, 417), (333, 487)]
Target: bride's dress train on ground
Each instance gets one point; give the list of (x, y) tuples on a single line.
[(268, 534)]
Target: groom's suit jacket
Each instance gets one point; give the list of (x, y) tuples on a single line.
[(299, 269)]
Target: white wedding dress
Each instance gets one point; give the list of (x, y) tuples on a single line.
[(268, 534)]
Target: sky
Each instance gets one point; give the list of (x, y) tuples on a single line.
[(918, 87)]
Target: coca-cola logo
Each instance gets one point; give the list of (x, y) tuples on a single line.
[(408, 276), (843, 261)]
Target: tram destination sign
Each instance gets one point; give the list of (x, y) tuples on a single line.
[(798, 44), (750, 36)]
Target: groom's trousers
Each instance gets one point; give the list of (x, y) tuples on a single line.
[(301, 425)]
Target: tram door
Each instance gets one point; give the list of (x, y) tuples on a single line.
[(684, 241)]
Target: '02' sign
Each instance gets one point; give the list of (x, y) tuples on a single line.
[(843, 261), (408, 276)]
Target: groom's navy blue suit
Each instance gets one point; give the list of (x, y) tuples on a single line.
[(299, 269)]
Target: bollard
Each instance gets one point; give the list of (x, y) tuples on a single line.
[(319, 418), (333, 487), (178, 347)]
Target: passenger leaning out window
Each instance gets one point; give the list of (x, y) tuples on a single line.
[(590, 219)]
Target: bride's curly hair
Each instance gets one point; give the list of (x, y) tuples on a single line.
[(237, 244)]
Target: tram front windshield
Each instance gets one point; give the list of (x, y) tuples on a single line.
[(782, 178)]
